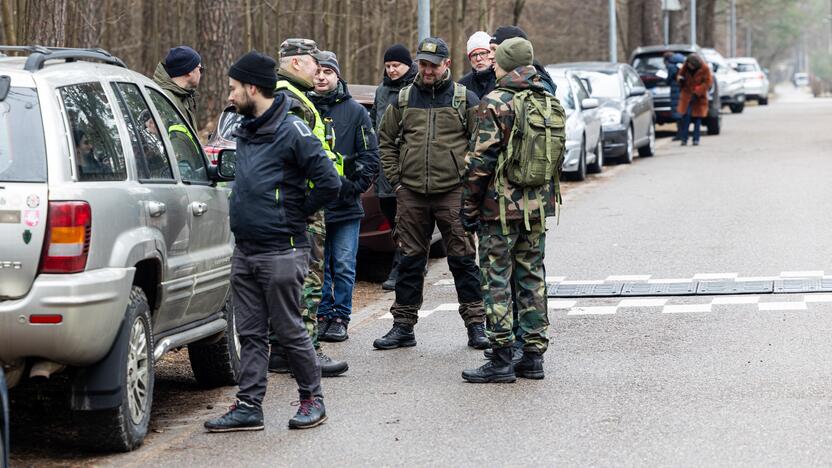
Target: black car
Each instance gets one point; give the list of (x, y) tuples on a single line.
[(626, 108), (4, 422), (649, 63)]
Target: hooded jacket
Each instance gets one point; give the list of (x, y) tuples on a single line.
[(276, 155), (384, 93), (423, 146), (185, 99), (355, 140), (480, 82)]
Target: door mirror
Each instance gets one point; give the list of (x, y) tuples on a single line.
[(638, 91), (226, 164), (589, 103)]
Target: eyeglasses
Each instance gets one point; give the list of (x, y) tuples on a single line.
[(201, 68), (479, 56)]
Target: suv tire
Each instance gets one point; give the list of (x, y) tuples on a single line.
[(580, 173), (124, 428), (650, 148), (217, 363), (737, 108), (762, 101), (713, 124)]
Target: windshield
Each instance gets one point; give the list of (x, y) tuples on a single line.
[(604, 85), (745, 67), (228, 123), (564, 92), (649, 64), (22, 152)]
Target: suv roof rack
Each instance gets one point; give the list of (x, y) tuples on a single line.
[(38, 55)]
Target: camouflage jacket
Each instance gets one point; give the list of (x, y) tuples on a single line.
[(495, 118)]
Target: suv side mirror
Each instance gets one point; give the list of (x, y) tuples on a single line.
[(589, 103), (226, 166), (638, 91)]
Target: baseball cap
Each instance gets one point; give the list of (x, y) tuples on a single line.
[(432, 49)]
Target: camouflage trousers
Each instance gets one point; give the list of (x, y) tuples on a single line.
[(313, 282), (514, 258)]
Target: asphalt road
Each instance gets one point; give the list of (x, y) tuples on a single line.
[(670, 381)]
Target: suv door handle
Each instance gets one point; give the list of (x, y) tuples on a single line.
[(156, 209), (199, 208)]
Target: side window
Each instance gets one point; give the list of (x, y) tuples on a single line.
[(634, 80), (97, 147), (579, 90), (185, 144), (152, 161)]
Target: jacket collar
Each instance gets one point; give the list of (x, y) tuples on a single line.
[(265, 126), (403, 80), (300, 83), (521, 78), (166, 82)]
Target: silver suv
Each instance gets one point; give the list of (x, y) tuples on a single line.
[(114, 238)]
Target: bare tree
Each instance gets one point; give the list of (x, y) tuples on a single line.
[(46, 23), (217, 33)]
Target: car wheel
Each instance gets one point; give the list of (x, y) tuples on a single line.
[(124, 428), (650, 148), (598, 165), (762, 101), (580, 173), (628, 155), (217, 363), (714, 124), (737, 108)]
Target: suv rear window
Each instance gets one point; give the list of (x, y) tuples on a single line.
[(645, 64), (22, 148)]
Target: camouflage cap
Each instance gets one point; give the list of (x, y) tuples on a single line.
[(432, 49), (299, 46)]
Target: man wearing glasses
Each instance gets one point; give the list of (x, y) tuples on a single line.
[(178, 76), (481, 79)]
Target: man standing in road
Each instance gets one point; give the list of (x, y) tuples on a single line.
[(276, 155), (295, 77), (513, 209), (178, 76), (423, 139), (355, 139), (480, 79)]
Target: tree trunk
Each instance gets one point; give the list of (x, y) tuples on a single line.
[(9, 27), (216, 39), (47, 23), (517, 10)]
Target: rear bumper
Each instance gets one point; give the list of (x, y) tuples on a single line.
[(615, 140), (91, 304)]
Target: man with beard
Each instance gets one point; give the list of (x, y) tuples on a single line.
[(481, 79), (178, 76), (276, 155), (355, 139)]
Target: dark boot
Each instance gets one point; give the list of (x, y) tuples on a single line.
[(497, 370), (517, 352), (390, 283), (241, 416), (476, 336), (323, 327), (336, 331), (530, 367), (331, 367), (310, 414), (400, 336), (278, 362)]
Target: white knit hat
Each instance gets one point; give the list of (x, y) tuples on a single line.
[(478, 40)]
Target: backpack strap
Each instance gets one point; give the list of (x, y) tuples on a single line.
[(460, 103), (404, 101)]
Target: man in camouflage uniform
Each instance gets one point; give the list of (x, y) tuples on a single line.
[(510, 249), (295, 77)]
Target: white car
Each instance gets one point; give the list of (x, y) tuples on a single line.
[(800, 79), (731, 87), (754, 78)]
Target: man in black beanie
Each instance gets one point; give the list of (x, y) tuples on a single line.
[(507, 32), (178, 75), (276, 155)]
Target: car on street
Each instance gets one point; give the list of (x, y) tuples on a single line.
[(4, 421), (625, 108), (731, 89), (648, 61), (116, 245), (584, 147), (755, 81), (800, 79)]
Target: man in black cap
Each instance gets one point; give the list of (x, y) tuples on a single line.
[(507, 32), (276, 155), (423, 140), (178, 76)]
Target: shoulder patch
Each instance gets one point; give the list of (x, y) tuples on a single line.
[(302, 128)]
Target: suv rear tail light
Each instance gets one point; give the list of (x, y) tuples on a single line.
[(67, 237)]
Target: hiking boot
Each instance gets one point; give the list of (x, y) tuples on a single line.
[(278, 363), (517, 352), (336, 331), (310, 414), (684, 142), (498, 370), (400, 336), (241, 416), (530, 367), (476, 336), (695, 142), (323, 326), (331, 367)]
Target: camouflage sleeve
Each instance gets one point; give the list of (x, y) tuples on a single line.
[(481, 162), (388, 144)]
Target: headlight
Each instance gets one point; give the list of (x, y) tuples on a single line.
[(610, 116)]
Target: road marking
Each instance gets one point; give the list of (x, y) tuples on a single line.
[(628, 277), (686, 308), (642, 303), (782, 306), (736, 300), (599, 310), (814, 298), (561, 304), (801, 274), (714, 276)]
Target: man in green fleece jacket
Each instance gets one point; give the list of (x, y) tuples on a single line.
[(178, 76)]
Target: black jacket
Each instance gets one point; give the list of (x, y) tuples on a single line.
[(276, 155), (384, 93), (355, 140), (548, 82), (481, 83)]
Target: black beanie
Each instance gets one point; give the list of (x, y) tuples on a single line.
[(398, 53), (254, 68), (507, 32), (181, 61)]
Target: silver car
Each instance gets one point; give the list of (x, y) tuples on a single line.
[(115, 242), (755, 82), (731, 89), (584, 151)]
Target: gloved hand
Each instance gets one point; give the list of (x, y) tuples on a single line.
[(347, 189), (469, 223)]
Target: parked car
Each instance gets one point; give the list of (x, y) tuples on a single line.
[(755, 81), (649, 63), (625, 108), (375, 233), (731, 89), (4, 422), (800, 79), (584, 148), (116, 246)]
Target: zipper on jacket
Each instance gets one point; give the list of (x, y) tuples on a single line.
[(427, 149)]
